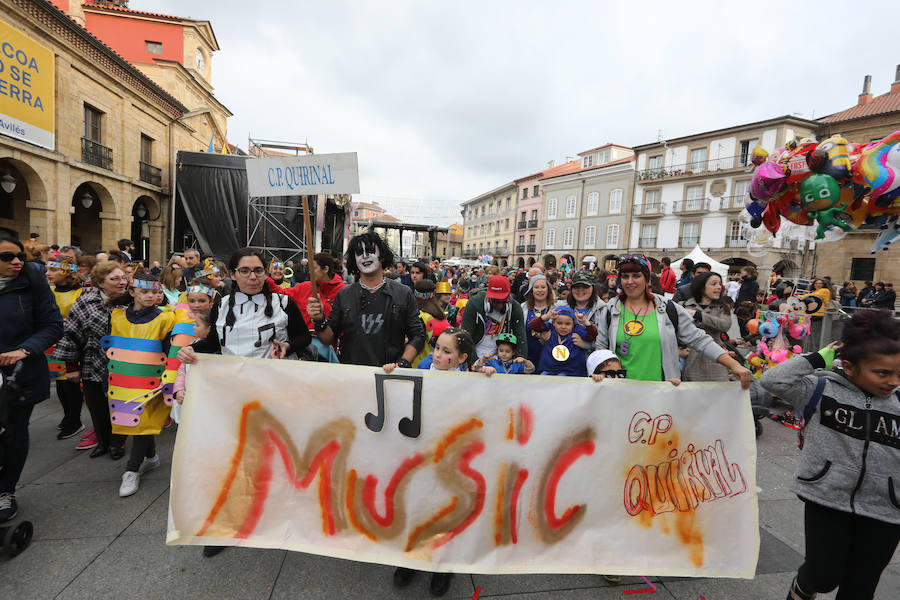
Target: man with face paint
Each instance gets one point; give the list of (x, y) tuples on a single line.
[(376, 318)]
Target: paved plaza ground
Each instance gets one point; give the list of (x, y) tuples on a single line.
[(90, 544)]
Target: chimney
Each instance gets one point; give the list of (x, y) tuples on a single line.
[(895, 87), (551, 164), (866, 95), (570, 159)]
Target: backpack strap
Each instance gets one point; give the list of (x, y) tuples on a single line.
[(813, 403), (672, 312)]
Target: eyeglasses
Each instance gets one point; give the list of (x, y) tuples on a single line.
[(246, 271), (612, 374), (11, 256), (116, 279)]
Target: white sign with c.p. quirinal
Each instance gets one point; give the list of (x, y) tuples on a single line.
[(308, 175)]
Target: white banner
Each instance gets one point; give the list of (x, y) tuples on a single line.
[(459, 472), (308, 175)]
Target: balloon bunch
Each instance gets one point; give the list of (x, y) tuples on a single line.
[(780, 331), (835, 185), (485, 258)]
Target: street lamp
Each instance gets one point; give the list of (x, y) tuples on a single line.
[(8, 183), (87, 199), (140, 211)]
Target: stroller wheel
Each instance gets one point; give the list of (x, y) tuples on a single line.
[(16, 539)]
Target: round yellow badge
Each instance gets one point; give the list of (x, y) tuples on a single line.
[(560, 353), (634, 327)]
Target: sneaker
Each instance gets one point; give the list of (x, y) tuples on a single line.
[(66, 433), (61, 423), (168, 423), (148, 464), (131, 480), (88, 441), (403, 577), (8, 507), (89, 433), (440, 584), (210, 551)]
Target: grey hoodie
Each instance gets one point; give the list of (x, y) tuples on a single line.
[(851, 458)]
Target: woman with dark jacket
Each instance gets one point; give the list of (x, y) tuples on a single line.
[(86, 361), (30, 324), (746, 293)]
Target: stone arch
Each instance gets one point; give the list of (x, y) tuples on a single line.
[(87, 224), (107, 201), (520, 263), (29, 190), (531, 262)]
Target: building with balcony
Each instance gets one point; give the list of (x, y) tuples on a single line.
[(101, 167), (529, 212), (450, 244), (689, 191), (871, 119), (585, 214), (489, 224)]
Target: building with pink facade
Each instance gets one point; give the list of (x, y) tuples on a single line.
[(527, 241)]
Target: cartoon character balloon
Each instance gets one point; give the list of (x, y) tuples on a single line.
[(821, 197), (880, 165)]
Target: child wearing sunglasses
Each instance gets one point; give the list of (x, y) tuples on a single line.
[(604, 363)]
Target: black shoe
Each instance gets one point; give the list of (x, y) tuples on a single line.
[(61, 424), (8, 507), (67, 432), (210, 551), (99, 450), (403, 577), (116, 452), (440, 583), (795, 593)]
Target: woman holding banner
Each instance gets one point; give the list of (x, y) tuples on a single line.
[(645, 330), (250, 322)]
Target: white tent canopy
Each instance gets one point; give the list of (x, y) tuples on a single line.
[(698, 255)]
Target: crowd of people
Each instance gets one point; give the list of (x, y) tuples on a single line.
[(119, 336)]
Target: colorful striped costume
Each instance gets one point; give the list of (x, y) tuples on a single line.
[(138, 365), (65, 301)]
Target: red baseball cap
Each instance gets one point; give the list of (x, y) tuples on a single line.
[(498, 288)]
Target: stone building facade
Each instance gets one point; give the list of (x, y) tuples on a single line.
[(488, 224), (109, 173)]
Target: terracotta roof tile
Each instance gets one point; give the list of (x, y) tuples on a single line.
[(885, 103), (563, 169), (620, 161), (126, 10)]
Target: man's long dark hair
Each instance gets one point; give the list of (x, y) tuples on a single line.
[(369, 238)]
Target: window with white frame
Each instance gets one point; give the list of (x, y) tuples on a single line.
[(551, 208), (698, 160), (587, 161), (694, 197), (690, 234), (590, 236), (654, 163), (569, 238), (651, 200), (571, 204), (737, 194), (593, 202), (521, 240), (531, 240), (746, 153), (612, 235), (550, 239), (615, 202), (603, 157), (648, 236)]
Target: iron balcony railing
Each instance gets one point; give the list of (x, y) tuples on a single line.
[(151, 174), (736, 242), (532, 223), (690, 206), (647, 242), (689, 241), (94, 153), (532, 248), (707, 165), (520, 225), (732, 203), (520, 249), (652, 209)]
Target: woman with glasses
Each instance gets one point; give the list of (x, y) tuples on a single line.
[(30, 324), (86, 360), (644, 330), (250, 322)]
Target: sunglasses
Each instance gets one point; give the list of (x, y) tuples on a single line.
[(11, 256), (638, 259), (612, 374)]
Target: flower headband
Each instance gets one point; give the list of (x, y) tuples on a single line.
[(145, 284), (209, 269), (424, 295), (63, 265), (200, 289)]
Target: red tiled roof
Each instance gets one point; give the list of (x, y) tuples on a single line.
[(123, 9), (885, 103), (563, 169), (620, 161)]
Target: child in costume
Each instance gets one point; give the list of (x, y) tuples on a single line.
[(432, 315), (141, 376), (602, 364), (66, 284), (201, 330), (847, 477), (507, 359), (563, 354), (276, 272)]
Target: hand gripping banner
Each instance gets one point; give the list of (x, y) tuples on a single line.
[(458, 472)]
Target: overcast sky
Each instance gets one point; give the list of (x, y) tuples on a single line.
[(445, 101)]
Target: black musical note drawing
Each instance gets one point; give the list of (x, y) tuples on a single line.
[(259, 332), (410, 427)]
